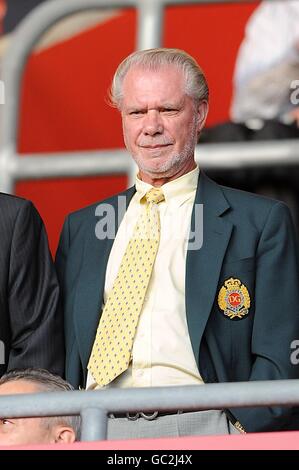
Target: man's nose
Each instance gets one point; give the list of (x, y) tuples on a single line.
[(153, 123)]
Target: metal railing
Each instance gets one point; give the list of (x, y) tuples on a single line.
[(94, 406), (150, 14)]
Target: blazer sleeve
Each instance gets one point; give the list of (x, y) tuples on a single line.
[(276, 323), (36, 321)]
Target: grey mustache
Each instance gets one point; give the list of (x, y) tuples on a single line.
[(151, 143)]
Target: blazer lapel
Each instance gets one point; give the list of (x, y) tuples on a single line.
[(90, 287), (203, 265)]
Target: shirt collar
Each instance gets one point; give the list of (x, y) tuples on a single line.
[(179, 189)]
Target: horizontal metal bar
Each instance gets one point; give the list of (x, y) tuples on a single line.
[(76, 164), (200, 397), (206, 2), (208, 156), (248, 154)]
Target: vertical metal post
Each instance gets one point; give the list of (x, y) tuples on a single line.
[(150, 24), (8, 161), (94, 424)]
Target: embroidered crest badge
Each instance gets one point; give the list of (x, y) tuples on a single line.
[(234, 299)]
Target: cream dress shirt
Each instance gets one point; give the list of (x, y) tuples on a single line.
[(162, 352)]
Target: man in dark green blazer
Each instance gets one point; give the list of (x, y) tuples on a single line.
[(240, 266)]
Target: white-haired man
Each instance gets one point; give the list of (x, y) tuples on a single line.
[(177, 298)]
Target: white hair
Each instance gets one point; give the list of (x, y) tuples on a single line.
[(152, 59)]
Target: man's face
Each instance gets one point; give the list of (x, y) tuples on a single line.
[(160, 122), (22, 431)]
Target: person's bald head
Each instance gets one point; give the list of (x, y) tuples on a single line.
[(22, 431)]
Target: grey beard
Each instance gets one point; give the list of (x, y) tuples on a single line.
[(177, 160)]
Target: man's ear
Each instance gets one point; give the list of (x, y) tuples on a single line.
[(64, 434), (202, 112)]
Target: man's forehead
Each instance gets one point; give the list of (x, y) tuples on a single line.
[(154, 70), (18, 386), (163, 85)]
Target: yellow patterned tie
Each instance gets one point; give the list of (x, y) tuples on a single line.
[(112, 348)]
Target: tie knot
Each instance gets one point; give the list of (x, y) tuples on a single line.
[(154, 195)]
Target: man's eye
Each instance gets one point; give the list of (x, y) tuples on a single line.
[(169, 110), (4, 421)]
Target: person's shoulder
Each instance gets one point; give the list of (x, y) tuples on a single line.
[(12, 204), (17, 213), (246, 196), (251, 202)]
